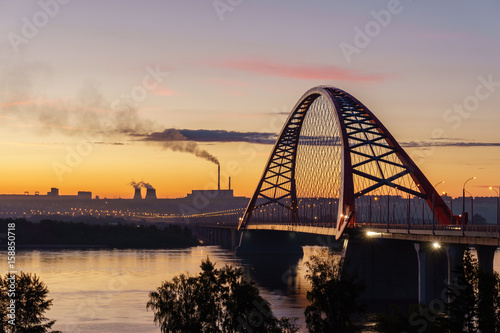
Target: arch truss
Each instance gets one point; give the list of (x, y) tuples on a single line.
[(335, 164)]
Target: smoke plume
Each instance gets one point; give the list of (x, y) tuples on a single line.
[(24, 103), (174, 140), (141, 184)]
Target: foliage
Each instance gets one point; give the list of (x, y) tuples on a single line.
[(49, 232), (474, 305), (333, 296), (462, 309), (30, 304), (217, 300), (419, 318)]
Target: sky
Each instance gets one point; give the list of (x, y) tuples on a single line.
[(95, 94)]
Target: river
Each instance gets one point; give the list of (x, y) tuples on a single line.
[(107, 290), (102, 290)]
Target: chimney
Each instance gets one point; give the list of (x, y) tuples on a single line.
[(137, 194), (229, 187), (150, 194), (218, 177)]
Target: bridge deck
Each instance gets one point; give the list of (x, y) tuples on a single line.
[(453, 234)]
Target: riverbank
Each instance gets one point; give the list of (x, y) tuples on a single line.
[(58, 234)]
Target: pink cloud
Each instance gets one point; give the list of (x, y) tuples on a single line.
[(306, 72), (166, 92)]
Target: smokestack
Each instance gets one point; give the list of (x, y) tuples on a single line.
[(229, 186), (218, 177), (137, 194), (150, 194)]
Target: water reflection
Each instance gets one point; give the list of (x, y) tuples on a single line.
[(273, 272), (100, 290)]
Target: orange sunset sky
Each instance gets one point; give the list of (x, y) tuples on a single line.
[(90, 90)]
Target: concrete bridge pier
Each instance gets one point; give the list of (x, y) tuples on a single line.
[(434, 272), (485, 257), (401, 272), (264, 242), (388, 267)]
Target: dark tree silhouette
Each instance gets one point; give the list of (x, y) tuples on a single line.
[(30, 304), (334, 295), (474, 305), (217, 300), (462, 309)]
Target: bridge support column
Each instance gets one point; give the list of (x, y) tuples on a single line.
[(234, 238), (433, 273), (455, 254), (256, 242), (485, 257), (388, 267)]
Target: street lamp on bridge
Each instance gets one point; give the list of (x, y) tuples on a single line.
[(471, 207), (463, 199), (441, 182), (498, 199)]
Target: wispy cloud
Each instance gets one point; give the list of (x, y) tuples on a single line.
[(162, 91), (413, 144), (202, 135), (305, 72)]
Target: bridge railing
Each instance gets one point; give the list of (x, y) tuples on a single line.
[(435, 227)]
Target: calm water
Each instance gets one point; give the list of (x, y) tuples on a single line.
[(107, 290)]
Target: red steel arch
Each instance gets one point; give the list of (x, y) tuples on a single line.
[(364, 141)]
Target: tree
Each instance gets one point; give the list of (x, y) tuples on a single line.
[(217, 300), (398, 321), (474, 305), (333, 296), (30, 301), (462, 308)]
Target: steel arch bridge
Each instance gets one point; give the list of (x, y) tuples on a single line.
[(335, 165)]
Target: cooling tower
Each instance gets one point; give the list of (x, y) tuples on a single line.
[(150, 194), (137, 194)]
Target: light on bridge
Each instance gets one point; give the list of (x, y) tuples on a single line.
[(436, 245), (373, 234)]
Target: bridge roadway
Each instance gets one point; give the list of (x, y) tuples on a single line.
[(446, 234), (450, 234)]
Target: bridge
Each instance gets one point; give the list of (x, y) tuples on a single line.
[(336, 170)]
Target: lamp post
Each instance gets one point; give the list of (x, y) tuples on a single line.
[(441, 182), (498, 199), (463, 199), (471, 208)]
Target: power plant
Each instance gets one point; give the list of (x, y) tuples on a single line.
[(150, 190), (213, 194), (150, 194)]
